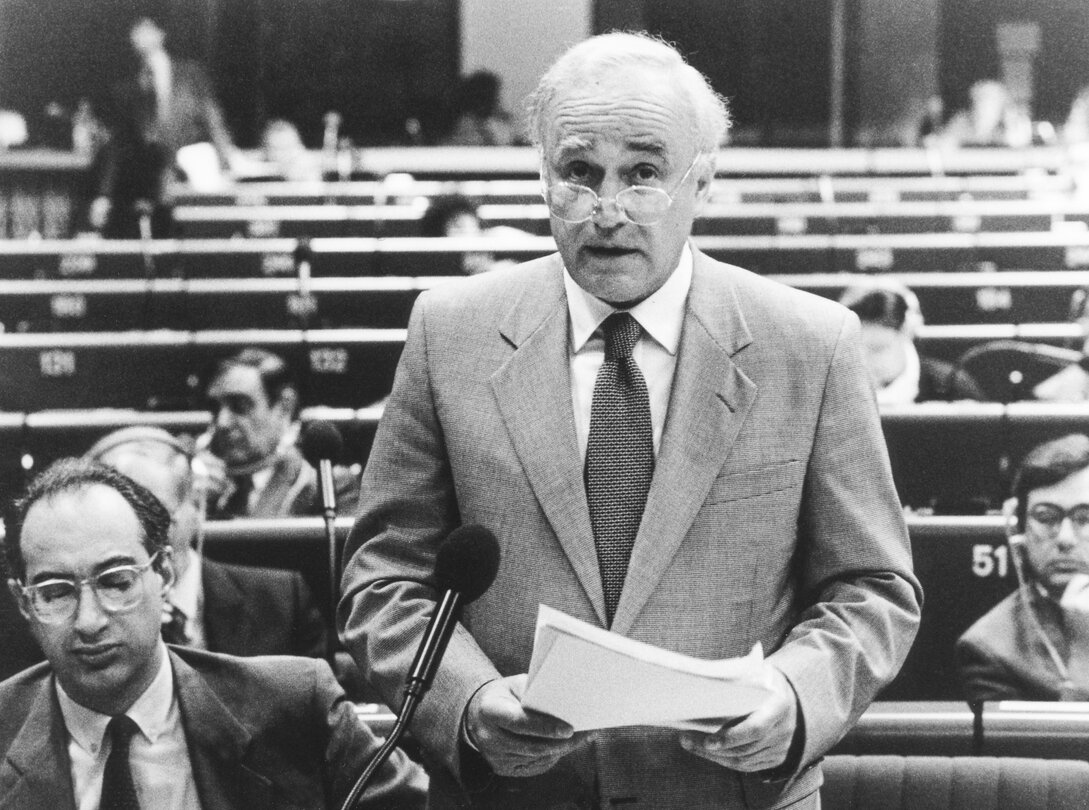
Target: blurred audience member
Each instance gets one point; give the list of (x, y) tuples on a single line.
[(115, 718), (992, 119), (236, 609), (1034, 644), (167, 104), (1076, 128), (253, 466), (13, 131), (286, 154), (479, 118), (1072, 383), (891, 317), (456, 215)]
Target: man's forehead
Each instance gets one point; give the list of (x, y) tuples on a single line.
[(237, 381), (87, 525)]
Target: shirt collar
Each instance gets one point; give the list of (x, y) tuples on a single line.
[(661, 315), (151, 711), (185, 593)]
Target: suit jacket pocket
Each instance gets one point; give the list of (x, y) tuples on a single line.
[(754, 483)]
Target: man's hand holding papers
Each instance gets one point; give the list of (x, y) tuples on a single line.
[(740, 712)]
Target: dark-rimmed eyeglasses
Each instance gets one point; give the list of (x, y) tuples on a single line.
[(1049, 518), (117, 589), (641, 205)]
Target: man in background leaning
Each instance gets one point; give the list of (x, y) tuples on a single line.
[(1034, 644), (117, 719), (166, 104), (666, 446), (236, 609), (254, 467)]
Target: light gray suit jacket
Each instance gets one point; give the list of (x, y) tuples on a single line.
[(772, 518)]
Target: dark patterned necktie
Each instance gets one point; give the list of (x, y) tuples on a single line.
[(238, 503), (118, 789), (619, 455)]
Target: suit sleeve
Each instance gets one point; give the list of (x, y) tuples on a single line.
[(860, 601), (408, 506), (400, 784)]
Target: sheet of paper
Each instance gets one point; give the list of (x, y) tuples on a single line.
[(592, 678)]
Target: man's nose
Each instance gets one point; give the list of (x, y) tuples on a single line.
[(90, 617), (224, 416), (1066, 537)]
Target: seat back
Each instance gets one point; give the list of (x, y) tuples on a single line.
[(972, 783)]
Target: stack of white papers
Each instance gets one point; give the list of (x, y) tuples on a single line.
[(592, 678)]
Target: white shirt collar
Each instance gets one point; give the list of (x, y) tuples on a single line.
[(186, 591), (904, 389), (151, 711), (661, 315)]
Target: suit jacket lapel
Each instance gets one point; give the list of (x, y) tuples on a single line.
[(708, 404), (533, 392), (217, 744), (37, 774)]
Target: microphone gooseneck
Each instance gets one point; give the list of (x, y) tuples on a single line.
[(321, 443), (466, 564)]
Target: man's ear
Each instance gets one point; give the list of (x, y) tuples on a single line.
[(288, 402), (165, 568), (20, 600)]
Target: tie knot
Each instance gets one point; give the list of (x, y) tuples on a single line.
[(621, 333), (121, 729)]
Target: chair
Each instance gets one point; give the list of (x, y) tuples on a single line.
[(972, 783)]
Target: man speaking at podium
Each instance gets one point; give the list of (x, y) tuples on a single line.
[(666, 446)]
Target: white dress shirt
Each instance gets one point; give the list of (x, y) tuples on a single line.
[(158, 755), (661, 317)]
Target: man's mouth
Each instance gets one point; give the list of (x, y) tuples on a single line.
[(96, 655), (608, 251)]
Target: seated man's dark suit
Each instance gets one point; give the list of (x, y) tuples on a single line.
[(1004, 656), (263, 733), (260, 611)]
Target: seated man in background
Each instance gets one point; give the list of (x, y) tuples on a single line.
[(456, 215), (1034, 644), (254, 467), (118, 719), (891, 316), (236, 609)]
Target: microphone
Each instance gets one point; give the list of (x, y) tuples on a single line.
[(465, 567), (302, 304), (321, 443), (143, 210)]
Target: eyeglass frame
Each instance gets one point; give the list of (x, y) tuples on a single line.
[(28, 591), (599, 203), (1051, 530)]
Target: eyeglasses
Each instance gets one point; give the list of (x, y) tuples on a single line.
[(1050, 518), (642, 205), (117, 590)]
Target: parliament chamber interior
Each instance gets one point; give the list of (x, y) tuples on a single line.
[(991, 239)]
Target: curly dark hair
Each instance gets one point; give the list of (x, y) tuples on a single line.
[(73, 474)]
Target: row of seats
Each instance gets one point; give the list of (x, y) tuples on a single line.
[(947, 458), (716, 219), (399, 188), (105, 304), (162, 369), (405, 256)]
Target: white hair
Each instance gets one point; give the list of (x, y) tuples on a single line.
[(708, 109)]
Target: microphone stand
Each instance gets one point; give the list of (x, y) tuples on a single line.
[(432, 646), (329, 513)]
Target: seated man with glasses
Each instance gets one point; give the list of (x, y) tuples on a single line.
[(1034, 644), (115, 718)]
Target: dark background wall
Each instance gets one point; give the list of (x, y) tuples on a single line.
[(381, 62)]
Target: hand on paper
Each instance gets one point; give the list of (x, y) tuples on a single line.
[(516, 742), (758, 741)]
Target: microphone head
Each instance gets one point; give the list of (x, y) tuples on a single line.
[(320, 440), (467, 562), (302, 251)]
